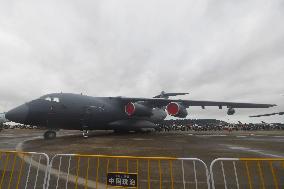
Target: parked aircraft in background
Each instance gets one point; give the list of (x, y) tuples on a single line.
[(271, 114), (80, 112), (2, 118)]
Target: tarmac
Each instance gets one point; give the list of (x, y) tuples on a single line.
[(206, 146)]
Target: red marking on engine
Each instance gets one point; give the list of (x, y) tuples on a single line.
[(130, 109), (173, 108)]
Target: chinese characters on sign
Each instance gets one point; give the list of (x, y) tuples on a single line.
[(122, 179)]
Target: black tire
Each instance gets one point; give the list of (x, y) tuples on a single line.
[(49, 135), (85, 134)]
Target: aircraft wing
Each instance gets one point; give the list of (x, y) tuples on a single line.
[(155, 102)]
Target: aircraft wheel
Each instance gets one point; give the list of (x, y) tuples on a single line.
[(85, 133), (49, 135)]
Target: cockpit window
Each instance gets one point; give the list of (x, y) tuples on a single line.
[(56, 99), (51, 99), (48, 99)]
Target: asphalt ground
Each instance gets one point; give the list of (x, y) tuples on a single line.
[(203, 145)]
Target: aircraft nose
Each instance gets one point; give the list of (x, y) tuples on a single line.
[(18, 114)]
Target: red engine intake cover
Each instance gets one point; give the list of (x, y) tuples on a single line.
[(173, 108), (130, 109)]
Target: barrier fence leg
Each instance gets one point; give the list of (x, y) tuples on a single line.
[(261, 175), (236, 175), (11, 175), (274, 175), (183, 179), (224, 176), (37, 171), (248, 174)]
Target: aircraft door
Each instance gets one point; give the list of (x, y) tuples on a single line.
[(92, 116), (55, 116)]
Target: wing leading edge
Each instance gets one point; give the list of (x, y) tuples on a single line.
[(155, 102)]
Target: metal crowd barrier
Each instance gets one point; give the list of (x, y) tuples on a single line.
[(27, 170), (100, 171), (31, 170), (261, 173)]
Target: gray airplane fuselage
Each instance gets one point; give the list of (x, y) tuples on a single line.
[(75, 111), (80, 112)]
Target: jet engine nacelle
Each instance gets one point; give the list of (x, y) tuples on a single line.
[(231, 111), (136, 109), (177, 110)]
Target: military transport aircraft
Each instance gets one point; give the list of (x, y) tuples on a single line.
[(80, 112)]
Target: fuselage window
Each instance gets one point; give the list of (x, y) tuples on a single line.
[(55, 99)]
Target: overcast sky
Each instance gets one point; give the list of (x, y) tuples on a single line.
[(216, 50)]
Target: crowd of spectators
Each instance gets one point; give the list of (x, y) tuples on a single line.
[(17, 126), (191, 125), (215, 125)]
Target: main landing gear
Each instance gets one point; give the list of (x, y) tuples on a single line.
[(49, 135), (85, 133)]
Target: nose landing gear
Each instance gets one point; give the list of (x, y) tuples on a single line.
[(49, 135)]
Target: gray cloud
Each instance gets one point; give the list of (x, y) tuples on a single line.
[(217, 50)]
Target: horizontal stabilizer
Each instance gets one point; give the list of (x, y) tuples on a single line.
[(167, 95)]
